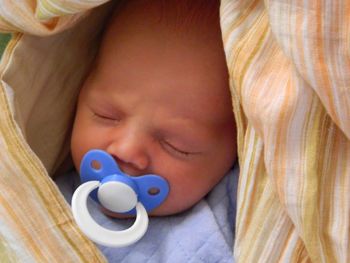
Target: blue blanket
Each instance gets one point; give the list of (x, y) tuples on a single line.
[(204, 233)]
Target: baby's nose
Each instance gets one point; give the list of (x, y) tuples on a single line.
[(130, 154)]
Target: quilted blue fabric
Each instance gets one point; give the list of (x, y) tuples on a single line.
[(204, 233)]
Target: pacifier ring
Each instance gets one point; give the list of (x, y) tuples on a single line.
[(100, 234)]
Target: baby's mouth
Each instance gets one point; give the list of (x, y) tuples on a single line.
[(114, 214)]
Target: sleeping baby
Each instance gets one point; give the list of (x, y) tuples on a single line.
[(158, 100)]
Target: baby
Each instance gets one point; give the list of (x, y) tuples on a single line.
[(157, 98)]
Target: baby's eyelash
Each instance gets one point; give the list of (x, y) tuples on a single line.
[(104, 117), (172, 148)]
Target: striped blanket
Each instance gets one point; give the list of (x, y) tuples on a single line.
[(289, 69)]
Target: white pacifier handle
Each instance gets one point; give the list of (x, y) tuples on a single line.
[(100, 234)]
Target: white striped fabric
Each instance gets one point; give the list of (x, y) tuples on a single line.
[(290, 78), (289, 72)]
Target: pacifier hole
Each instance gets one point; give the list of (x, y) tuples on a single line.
[(95, 165), (153, 191)]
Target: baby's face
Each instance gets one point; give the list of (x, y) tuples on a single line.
[(159, 104)]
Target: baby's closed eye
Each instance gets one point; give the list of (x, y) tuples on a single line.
[(106, 116), (173, 149), (105, 113)]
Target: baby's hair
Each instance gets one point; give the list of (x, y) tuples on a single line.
[(184, 18), (191, 11), (179, 14)]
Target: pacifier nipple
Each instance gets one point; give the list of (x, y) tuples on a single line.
[(117, 197), (117, 192)]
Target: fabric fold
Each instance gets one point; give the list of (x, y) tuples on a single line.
[(289, 74), (43, 17)]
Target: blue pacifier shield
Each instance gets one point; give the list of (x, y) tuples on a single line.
[(97, 165)]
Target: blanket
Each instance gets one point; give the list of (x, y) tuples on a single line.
[(289, 74), (201, 234)]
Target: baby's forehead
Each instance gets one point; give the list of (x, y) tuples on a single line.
[(197, 107)]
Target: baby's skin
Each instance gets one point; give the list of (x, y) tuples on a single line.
[(157, 98)]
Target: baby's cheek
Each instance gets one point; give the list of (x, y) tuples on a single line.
[(191, 188), (83, 140)]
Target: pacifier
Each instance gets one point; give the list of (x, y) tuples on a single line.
[(118, 192)]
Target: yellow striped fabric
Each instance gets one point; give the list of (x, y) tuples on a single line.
[(47, 9), (289, 72), (40, 17), (290, 80), (36, 224), (35, 221)]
